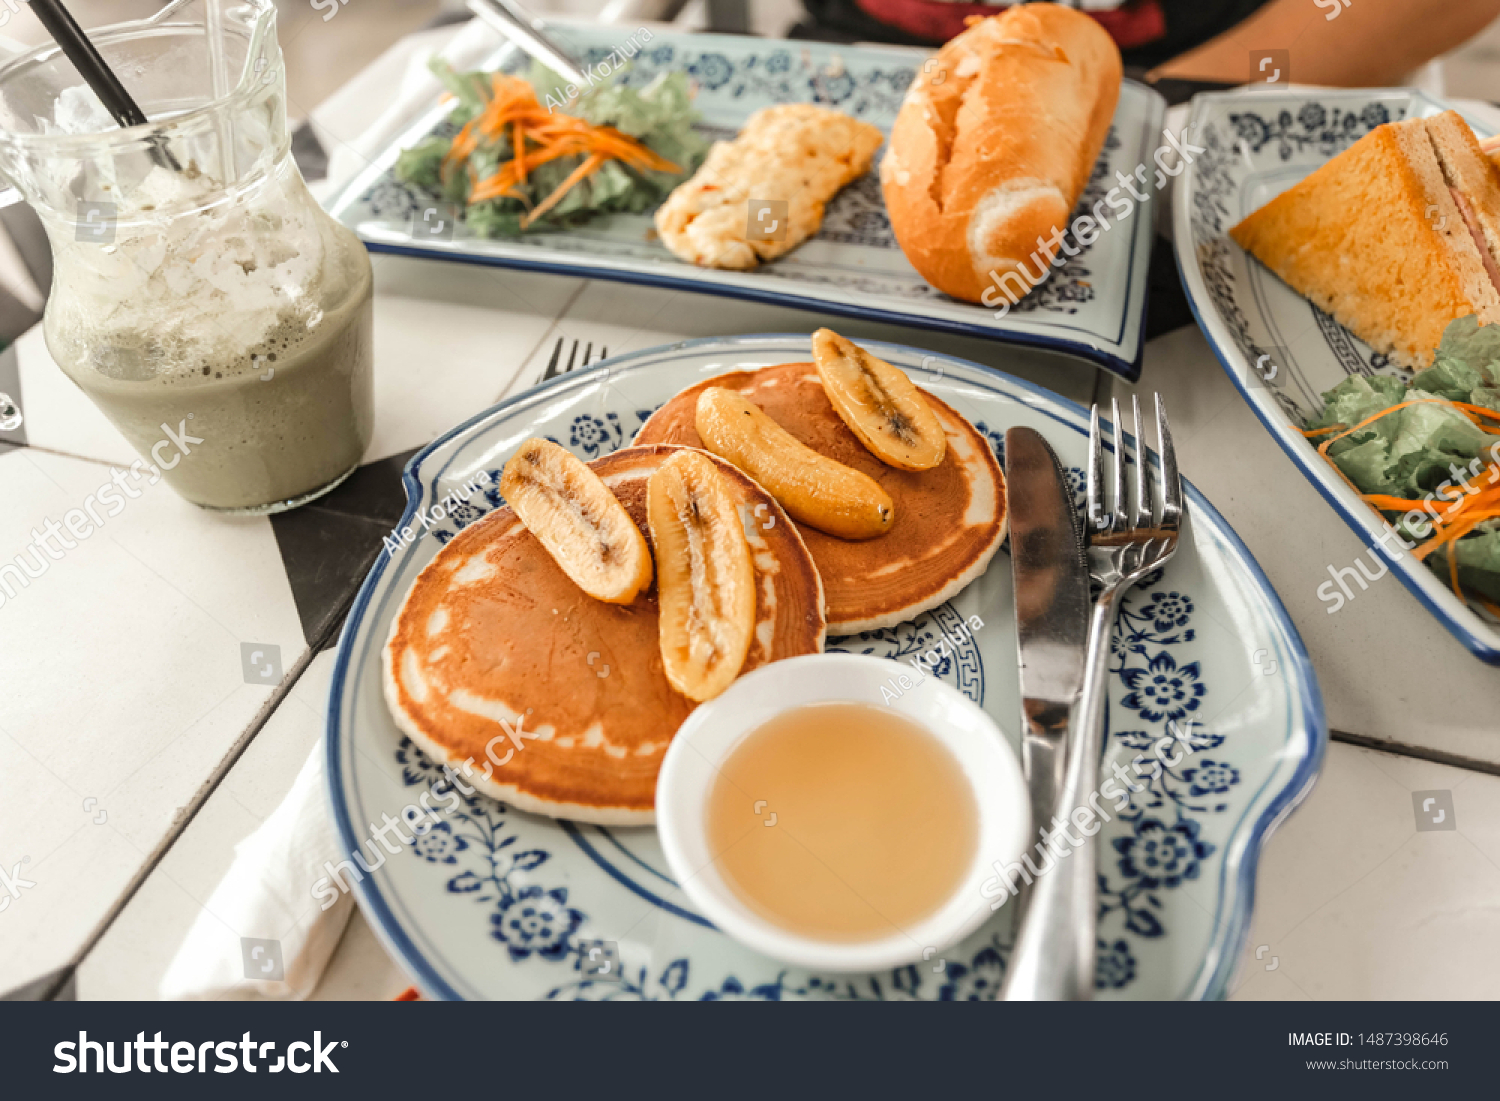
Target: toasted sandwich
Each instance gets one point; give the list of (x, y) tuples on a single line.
[(1395, 237)]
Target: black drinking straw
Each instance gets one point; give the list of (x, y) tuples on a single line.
[(91, 65)]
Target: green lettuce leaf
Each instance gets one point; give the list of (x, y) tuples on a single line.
[(1467, 365), (659, 115), (1357, 398), (1478, 563), (1412, 452), (420, 163)]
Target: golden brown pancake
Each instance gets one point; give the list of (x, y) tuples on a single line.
[(493, 629), (949, 520)]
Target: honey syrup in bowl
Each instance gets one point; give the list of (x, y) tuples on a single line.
[(842, 821), (825, 820)]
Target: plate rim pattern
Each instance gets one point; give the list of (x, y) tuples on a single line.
[(1207, 302), (1120, 350), (1306, 735)]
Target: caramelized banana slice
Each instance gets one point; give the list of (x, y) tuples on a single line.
[(705, 584), (587, 532), (815, 489), (879, 404)]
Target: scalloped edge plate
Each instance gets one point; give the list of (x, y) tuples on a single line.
[(595, 882), (1092, 306), (1244, 309)]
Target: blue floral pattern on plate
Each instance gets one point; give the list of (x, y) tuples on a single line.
[(493, 902), (1092, 305), (1254, 145)]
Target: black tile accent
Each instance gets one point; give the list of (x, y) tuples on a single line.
[(21, 224), (308, 152), (326, 555), (728, 17), (328, 547), (1174, 90), (1166, 302), (59, 986), (10, 383), (373, 492)]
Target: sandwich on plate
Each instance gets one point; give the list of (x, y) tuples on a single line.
[(1396, 237)]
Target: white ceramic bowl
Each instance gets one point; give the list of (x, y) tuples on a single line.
[(713, 731)]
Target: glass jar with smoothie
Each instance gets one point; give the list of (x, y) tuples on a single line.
[(199, 291)]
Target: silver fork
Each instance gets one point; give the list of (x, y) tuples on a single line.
[(553, 369), (1054, 954)]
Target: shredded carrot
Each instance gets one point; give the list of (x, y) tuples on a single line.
[(1476, 409), (1462, 510), (594, 162), (537, 137)]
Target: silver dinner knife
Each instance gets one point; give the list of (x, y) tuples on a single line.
[(1051, 960)]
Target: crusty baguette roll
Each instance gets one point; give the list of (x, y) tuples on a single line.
[(994, 144)]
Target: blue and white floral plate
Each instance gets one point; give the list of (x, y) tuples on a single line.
[(495, 903), (1093, 306), (1256, 145)]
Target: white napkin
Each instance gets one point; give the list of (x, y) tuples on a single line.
[(267, 894)]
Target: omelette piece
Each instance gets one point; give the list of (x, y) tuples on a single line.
[(793, 153)]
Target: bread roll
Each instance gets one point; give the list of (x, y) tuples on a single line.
[(994, 143)]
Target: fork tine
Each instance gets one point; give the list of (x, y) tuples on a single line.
[(572, 356), (551, 371), (1141, 518), (1119, 512), (1171, 482), (1097, 520)]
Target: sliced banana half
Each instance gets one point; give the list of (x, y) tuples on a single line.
[(704, 580), (879, 404), (815, 489), (575, 516)]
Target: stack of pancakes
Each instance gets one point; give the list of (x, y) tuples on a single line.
[(949, 520), (496, 647)]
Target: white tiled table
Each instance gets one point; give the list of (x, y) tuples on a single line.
[(1352, 901), (122, 679)]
